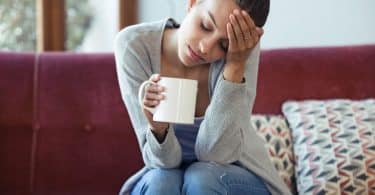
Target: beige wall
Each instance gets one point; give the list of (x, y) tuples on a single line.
[(296, 23)]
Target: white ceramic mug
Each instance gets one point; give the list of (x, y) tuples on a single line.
[(179, 103)]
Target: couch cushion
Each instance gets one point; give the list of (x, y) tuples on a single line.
[(276, 133), (334, 145)]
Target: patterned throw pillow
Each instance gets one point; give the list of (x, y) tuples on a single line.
[(274, 130), (334, 145)]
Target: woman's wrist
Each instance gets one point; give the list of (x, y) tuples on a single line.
[(233, 73), (160, 133)]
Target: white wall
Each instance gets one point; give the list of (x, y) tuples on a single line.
[(302, 23), (104, 27), (151, 10), (291, 23), (295, 23), (103, 30)]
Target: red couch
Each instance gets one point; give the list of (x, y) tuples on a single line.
[(65, 130)]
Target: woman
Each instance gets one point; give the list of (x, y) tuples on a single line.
[(217, 44)]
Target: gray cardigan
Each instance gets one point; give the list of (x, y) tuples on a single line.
[(225, 135)]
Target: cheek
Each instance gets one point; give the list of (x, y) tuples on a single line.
[(191, 26), (183, 35), (218, 55), (189, 32)]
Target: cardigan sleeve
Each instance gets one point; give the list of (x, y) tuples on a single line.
[(132, 69), (221, 134)]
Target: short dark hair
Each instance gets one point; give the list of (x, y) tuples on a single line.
[(257, 9)]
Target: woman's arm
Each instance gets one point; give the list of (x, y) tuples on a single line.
[(227, 119), (132, 70)]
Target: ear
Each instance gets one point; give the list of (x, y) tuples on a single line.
[(190, 4)]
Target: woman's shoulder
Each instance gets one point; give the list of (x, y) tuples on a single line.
[(136, 46), (144, 32)]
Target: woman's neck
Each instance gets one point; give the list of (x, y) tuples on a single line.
[(169, 52)]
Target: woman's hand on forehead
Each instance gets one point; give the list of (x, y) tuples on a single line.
[(243, 35)]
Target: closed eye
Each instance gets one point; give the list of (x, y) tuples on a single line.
[(204, 27), (224, 46)]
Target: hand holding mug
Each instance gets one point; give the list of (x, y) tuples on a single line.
[(168, 100), (151, 99)]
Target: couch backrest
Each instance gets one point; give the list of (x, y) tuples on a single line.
[(85, 141), (314, 73), (64, 127), (16, 119)]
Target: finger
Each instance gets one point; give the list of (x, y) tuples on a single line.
[(260, 31), (150, 103), (243, 25), (231, 37), (237, 31), (249, 20), (255, 36), (253, 32), (154, 88), (155, 78), (154, 96)]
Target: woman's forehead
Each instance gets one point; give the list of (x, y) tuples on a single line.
[(221, 7), (219, 11)]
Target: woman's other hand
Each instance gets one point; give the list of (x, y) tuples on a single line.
[(243, 35), (153, 96)]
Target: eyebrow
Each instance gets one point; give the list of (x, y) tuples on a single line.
[(213, 20), (212, 17)]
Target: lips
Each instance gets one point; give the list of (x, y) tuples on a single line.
[(194, 56)]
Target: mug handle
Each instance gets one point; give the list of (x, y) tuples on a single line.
[(140, 96)]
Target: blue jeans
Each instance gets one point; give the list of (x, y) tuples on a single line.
[(204, 178)]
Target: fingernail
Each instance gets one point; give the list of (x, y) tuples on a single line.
[(244, 12), (236, 11)]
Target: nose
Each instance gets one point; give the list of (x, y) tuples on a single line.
[(205, 45)]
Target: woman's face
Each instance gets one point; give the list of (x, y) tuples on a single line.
[(202, 36)]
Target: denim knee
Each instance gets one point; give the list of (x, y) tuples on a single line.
[(199, 178), (213, 178), (159, 181)]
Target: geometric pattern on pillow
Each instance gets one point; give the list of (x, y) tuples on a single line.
[(275, 132), (334, 145)]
